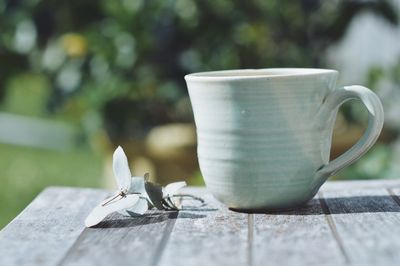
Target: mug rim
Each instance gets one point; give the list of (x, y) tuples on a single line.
[(262, 73)]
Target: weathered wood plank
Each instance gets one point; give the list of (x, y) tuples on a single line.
[(361, 228), (367, 223), (210, 235), (48, 227), (300, 237), (123, 240)]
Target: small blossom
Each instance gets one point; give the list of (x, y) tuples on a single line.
[(134, 195)]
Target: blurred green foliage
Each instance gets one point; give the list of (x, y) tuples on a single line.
[(25, 171), (383, 160), (95, 52), (120, 64)]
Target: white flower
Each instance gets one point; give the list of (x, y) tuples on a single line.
[(142, 205), (134, 193), (121, 199)]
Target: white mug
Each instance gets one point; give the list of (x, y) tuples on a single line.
[(264, 136)]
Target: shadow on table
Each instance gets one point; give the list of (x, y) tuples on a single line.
[(117, 220), (339, 205), (343, 205)]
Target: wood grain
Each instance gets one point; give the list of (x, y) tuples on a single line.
[(123, 240), (300, 237), (351, 223), (367, 222), (48, 227), (210, 235)]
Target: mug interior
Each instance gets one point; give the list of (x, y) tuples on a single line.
[(257, 73)]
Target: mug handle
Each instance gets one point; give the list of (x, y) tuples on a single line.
[(375, 123)]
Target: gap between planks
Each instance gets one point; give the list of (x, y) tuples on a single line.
[(393, 195), (165, 238), (332, 226), (250, 234), (250, 237), (167, 233), (160, 247)]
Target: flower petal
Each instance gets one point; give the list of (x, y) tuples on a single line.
[(137, 186), (172, 188), (138, 209), (121, 169), (100, 212), (114, 197)]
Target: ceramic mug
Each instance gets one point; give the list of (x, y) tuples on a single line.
[(264, 136)]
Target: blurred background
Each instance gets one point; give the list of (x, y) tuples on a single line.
[(79, 77)]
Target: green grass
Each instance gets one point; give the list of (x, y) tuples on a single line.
[(26, 171)]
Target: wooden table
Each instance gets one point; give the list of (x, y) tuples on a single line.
[(348, 223)]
